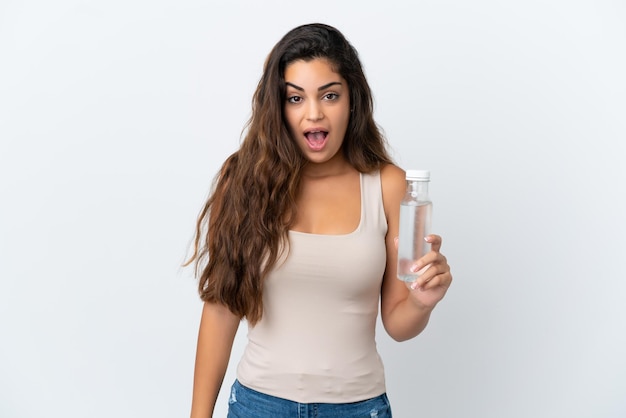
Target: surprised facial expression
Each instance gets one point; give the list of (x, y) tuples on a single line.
[(317, 108)]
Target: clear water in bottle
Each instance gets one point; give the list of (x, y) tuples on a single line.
[(415, 219)]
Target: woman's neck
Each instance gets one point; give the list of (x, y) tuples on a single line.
[(336, 166)]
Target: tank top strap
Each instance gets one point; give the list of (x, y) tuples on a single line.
[(372, 211)]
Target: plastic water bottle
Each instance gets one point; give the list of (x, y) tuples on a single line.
[(415, 219)]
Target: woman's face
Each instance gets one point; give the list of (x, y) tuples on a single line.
[(317, 108)]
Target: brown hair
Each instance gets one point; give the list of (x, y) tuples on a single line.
[(242, 229)]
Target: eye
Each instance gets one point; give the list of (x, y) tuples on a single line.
[(294, 99), (331, 96)]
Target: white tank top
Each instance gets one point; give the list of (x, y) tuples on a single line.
[(316, 339)]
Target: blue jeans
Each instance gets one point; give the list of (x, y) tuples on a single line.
[(247, 403)]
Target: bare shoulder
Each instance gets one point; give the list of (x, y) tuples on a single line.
[(393, 185), (392, 174)]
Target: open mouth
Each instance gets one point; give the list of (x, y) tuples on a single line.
[(316, 139)]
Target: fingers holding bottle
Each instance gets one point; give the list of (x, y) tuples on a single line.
[(432, 270)]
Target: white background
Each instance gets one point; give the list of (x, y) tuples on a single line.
[(114, 117)]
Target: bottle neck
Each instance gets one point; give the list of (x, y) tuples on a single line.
[(418, 189)]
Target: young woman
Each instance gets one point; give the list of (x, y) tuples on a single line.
[(298, 238)]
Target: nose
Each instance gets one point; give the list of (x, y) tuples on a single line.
[(314, 111)]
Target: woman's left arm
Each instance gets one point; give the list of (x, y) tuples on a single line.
[(406, 307)]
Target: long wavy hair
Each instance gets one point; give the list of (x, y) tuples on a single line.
[(242, 229)]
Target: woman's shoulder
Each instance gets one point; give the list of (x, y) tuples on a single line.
[(393, 184), (392, 177)]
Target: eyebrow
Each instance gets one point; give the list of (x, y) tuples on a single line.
[(324, 87)]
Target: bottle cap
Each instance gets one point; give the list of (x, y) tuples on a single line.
[(423, 175)]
